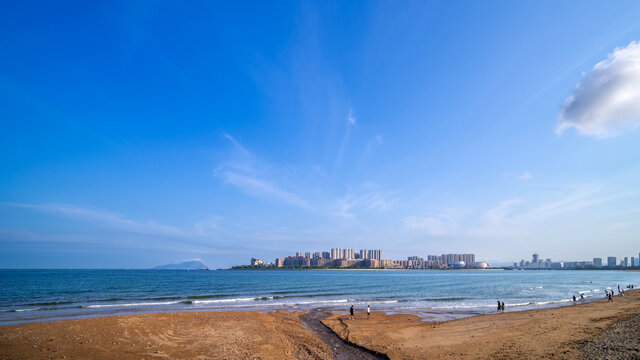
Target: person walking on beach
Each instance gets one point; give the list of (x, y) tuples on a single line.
[(368, 312), (574, 299), (502, 306), (582, 297), (610, 298), (351, 312), (499, 306)]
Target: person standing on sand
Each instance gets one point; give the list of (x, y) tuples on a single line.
[(610, 298), (351, 312), (574, 299), (502, 307), (499, 306), (368, 312)]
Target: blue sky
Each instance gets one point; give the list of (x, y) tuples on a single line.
[(134, 134)]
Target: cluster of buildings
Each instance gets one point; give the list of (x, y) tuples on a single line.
[(344, 258), (611, 262)]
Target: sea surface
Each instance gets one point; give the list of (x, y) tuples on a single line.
[(43, 295)]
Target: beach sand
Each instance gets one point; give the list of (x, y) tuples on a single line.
[(205, 335), (593, 330), (570, 332)]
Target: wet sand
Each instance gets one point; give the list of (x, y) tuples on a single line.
[(592, 330), (558, 333)]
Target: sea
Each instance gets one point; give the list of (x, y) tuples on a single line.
[(436, 295)]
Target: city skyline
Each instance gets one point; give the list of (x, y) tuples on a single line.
[(137, 134)]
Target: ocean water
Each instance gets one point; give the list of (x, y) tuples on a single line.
[(42, 295)]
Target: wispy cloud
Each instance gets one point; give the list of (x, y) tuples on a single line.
[(350, 124), (373, 144), (607, 100), (351, 119), (525, 175), (512, 217), (262, 188), (245, 171), (104, 218), (364, 198), (115, 221), (497, 215)]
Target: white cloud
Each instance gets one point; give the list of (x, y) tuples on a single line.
[(526, 175), (607, 100)]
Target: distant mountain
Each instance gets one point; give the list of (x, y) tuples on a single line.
[(185, 265)]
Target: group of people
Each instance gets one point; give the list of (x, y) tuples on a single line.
[(610, 293), (581, 298), (500, 306), (352, 312)]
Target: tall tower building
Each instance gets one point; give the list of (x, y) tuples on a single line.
[(597, 262), (535, 258), (611, 261)]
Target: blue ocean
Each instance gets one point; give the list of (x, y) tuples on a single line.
[(44, 295)]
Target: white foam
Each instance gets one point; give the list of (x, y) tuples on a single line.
[(132, 304), (222, 300)]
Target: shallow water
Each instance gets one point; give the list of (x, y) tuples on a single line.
[(37, 295)]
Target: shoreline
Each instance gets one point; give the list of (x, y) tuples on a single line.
[(559, 332), (430, 314)]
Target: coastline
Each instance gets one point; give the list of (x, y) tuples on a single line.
[(559, 332)]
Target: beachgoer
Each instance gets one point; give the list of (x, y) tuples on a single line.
[(368, 312), (581, 297), (499, 306), (574, 299), (610, 298), (502, 307), (351, 312)]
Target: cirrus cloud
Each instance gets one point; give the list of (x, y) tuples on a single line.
[(607, 100)]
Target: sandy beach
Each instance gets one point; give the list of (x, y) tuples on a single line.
[(593, 330), (212, 335), (558, 333)]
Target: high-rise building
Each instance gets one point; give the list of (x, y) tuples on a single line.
[(363, 254), (348, 254), (535, 259), (299, 253), (326, 255), (625, 262), (597, 262), (317, 255), (633, 261), (611, 261)]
